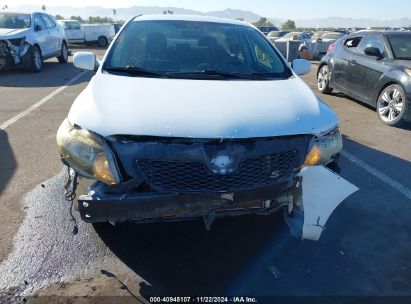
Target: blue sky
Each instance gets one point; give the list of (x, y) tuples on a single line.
[(296, 9)]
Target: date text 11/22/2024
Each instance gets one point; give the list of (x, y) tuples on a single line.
[(203, 300)]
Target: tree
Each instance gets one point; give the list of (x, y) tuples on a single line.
[(59, 17), (43, 8), (263, 22), (288, 25), (78, 18), (98, 19)]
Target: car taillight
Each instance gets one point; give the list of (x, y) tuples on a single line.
[(330, 48)]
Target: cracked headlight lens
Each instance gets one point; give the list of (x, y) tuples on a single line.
[(323, 148), (85, 153)]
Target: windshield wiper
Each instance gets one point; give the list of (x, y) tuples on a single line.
[(208, 73), (135, 71)]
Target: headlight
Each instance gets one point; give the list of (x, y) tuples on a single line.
[(85, 153), (323, 148)]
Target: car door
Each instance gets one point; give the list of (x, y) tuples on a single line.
[(40, 35), (53, 35), (371, 67), (74, 31), (343, 56)]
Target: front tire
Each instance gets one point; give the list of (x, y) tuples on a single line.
[(323, 80), (63, 58), (391, 106), (36, 62)]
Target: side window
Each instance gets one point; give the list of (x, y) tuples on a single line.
[(48, 22), (73, 26), (38, 23), (352, 43), (374, 41)]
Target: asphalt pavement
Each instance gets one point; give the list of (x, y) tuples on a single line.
[(365, 250)]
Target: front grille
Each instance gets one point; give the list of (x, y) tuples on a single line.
[(195, 176)]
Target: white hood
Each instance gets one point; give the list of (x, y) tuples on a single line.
[(12, 33), (114, 105)]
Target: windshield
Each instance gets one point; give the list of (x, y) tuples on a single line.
[(171, 48), (401, 46), (15, 21)]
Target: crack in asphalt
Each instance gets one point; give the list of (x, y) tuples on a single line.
[(45, 251)]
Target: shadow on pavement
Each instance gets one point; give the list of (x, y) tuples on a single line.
[(53, 74), (364, 251), (7, 161), (183, 258)]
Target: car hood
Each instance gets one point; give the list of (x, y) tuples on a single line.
[(403, 63), (12, 33), (118, 105)]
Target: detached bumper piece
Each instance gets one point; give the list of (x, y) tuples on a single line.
[(154, 207)]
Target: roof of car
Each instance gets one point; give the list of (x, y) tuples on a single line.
[(189, 18), (378, 32)]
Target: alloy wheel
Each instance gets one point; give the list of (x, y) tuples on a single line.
[(390, 105)]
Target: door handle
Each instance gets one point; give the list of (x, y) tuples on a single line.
[(353, 61)]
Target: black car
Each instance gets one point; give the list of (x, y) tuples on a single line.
[(373, 67)]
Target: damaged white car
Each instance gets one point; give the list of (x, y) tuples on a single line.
[(26, 39), (194, 117)]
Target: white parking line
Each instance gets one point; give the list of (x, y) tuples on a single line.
[(378, 174), (27, 111)]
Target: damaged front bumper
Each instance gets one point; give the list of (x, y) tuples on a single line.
[(14, 53), (312, 197), (155, 207)]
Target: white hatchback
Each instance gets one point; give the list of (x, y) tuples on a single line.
[(26, 39), (198, 117)]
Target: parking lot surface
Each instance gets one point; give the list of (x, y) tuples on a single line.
[(365, 250)]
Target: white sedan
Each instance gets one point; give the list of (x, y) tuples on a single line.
[(26, 39), (196, 117)]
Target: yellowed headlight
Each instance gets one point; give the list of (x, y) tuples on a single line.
[(313, 157), (101, 170)]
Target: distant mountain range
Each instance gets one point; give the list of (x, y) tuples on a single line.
[(126, 13)]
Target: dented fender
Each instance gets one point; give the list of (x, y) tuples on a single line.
[(322, 192)]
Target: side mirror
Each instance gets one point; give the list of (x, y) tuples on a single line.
[(85, 61), (301, 66), (37, 28), (373, 51)]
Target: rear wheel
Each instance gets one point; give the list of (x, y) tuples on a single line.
[(36, 60), (323, 80), (102, 41), (63, 58), (391, 106)]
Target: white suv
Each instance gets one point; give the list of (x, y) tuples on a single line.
[(26, 39)]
